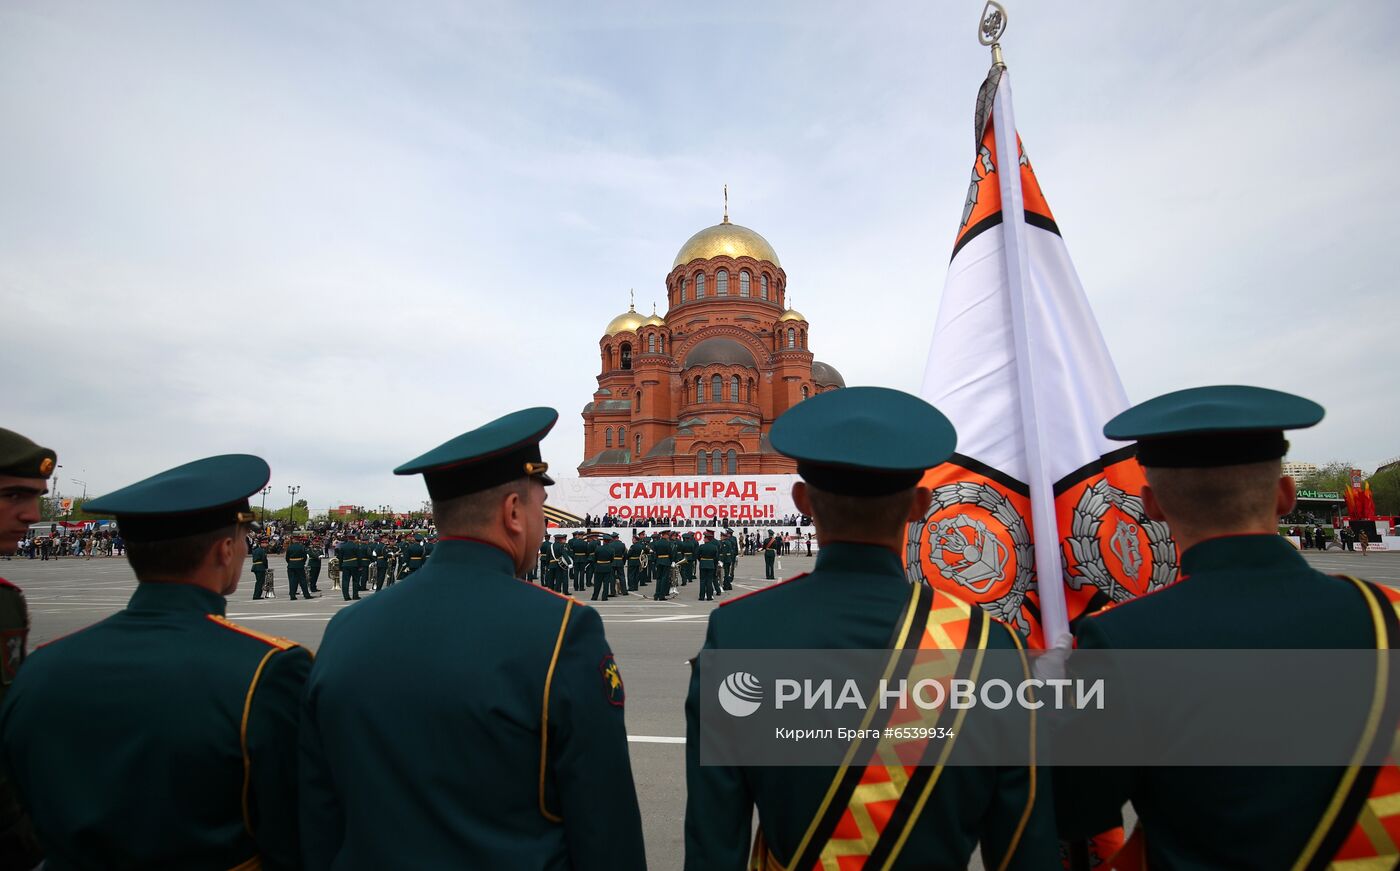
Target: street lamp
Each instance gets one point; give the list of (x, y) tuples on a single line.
[(84, 483), (262, 515), (293, 490)]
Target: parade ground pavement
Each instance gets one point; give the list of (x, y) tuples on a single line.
[(652, 640)]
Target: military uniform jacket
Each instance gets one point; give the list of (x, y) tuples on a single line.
[(664, 549), (459, 660), (348, 554), (634, 552), (728, 549), (313, 555), (259, 559), (601, 553), (688, 549), (851, 600), (619, 552), (708, 556), (1235, 592), (161, 737), (579, 548), (296, 556)]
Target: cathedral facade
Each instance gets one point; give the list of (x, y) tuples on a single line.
[(695, 391)]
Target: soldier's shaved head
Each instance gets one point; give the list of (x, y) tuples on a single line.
[(1200, 503)]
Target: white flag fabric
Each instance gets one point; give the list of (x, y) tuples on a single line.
[(1019, 365)]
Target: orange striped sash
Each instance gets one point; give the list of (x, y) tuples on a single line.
[(871, 807)]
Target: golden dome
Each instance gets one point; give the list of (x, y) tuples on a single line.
[(729, 239), (792, 315), (655, 320), (626, 322)]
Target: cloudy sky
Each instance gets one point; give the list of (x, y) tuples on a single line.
[(338, 234)]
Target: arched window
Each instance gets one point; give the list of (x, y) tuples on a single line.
[(750, 390), (627, 355), (639, 400), (663, 344), (685, 390), (607, 437), (763, 286), (717, 389), (804, 340), (722, 283), (699, 285), (702, 466), (651, 343), (607, 357), (743, 282), (639, 446), (717, 461), (734, 389), (805, 394), (733, 457), (699, 389), (683, 288), (792, 338), (622, 437)]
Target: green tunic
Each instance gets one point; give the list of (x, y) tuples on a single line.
[(852, 599), (472, 648), (1235, 592), (126, 739)]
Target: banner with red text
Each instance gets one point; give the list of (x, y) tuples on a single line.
[(743, 500)]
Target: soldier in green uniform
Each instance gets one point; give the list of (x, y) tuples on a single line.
[(707, 559), (260, 568), (347, 553), (634, 563), (578, 550), (729, 556), (861, 453), (556, 568), (619, 561), (771, 544), (428, 544), (602, 558), (195, 763), (296, 569), (1213, 462), (689, 547), (314, 554), (24, 471), (540, 570), (664, 549), (381, 564), (521, 679)]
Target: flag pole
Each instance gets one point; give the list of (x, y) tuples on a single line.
[(1054, 618)]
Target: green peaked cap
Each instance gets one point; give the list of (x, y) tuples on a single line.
[(503, 450), (864, 441), (1221, 425), (196, 497)]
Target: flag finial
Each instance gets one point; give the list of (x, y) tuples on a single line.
[(991, 29), (726, 205), (633, 294)]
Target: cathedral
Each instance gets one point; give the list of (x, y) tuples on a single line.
[(694, 392)]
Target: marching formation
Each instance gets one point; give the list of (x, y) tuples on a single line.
[(470, 718)]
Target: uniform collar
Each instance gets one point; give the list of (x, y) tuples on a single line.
[(846, 556), (152, 596), (460, 549), (1260, 552)]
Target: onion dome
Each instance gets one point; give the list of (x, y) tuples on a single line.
[(792, 315), (726, 352), (825, 375), (726, 239), (627, 322), (654, 320)]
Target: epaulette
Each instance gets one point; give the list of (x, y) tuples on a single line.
[(545, 590), (763, 589), (273, 640), (1112, 605)]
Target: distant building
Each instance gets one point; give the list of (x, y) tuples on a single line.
[(1392, 463), (696, 391), (1299, 471)]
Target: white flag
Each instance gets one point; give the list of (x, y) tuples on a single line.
[(1019, 366)]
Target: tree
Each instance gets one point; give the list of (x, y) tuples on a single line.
[(1334, 477), (1385, 489)]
